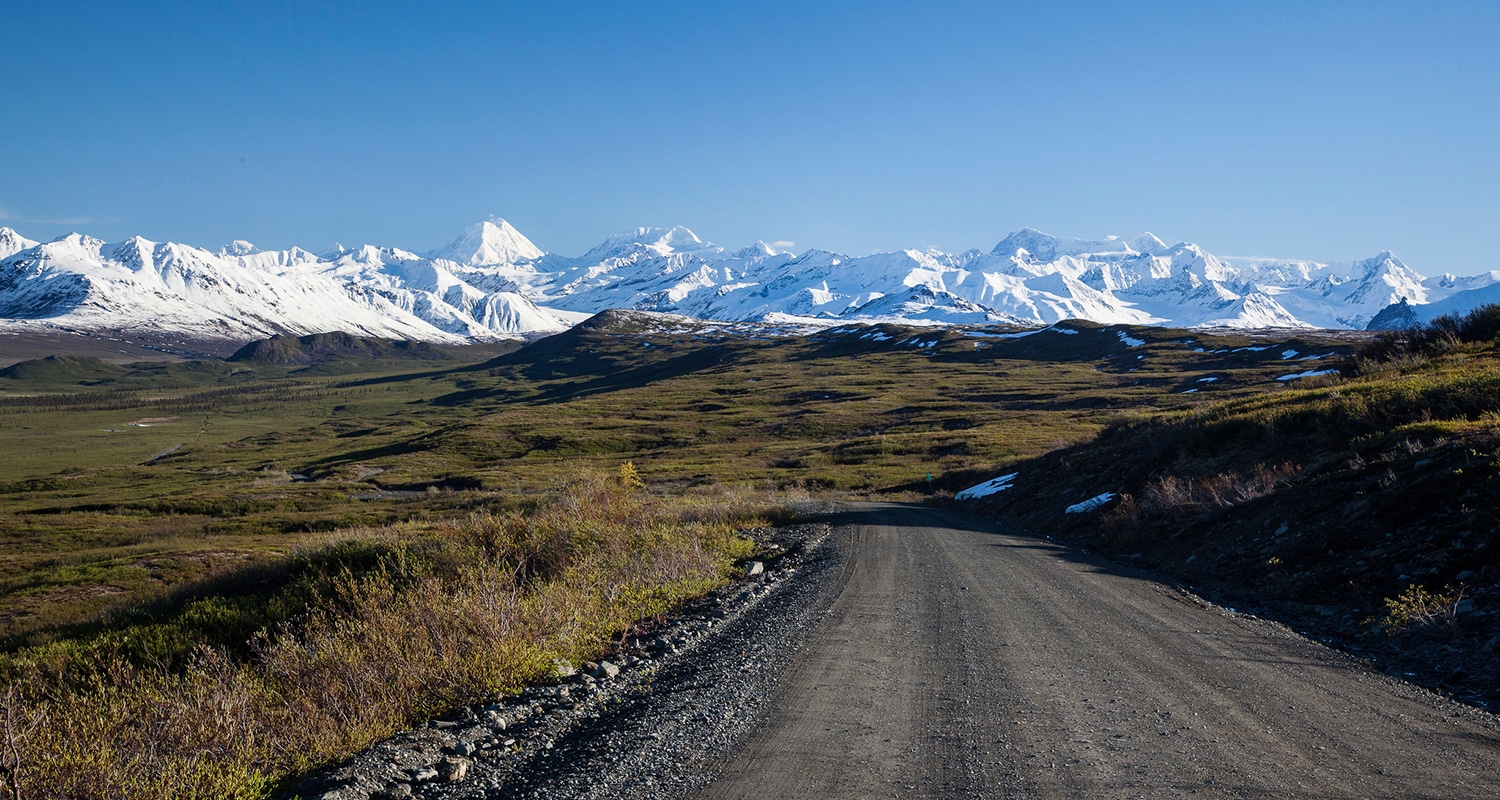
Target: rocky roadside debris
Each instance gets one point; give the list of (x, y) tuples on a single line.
[(642, 722)]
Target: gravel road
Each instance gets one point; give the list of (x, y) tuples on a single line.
[(961, 662), (913, 652)]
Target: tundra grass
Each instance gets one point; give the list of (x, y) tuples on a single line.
[(235, 695), (212, 573), (140, 480), (1361, 507)]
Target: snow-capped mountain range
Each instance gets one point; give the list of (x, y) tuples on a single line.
[(494, 283)]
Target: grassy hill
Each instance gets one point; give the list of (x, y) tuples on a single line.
[(1359, 507)]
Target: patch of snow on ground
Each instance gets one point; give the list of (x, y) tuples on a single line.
[(569, 318), (987, 488), (1090, 504), (989, 335), (1207, 380), (1288, 355), (1189, 391), (1312, 373), (1130, 341), (1251, 349), (1315, 358)]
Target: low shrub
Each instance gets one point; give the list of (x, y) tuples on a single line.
[(1416, 607), (1175, 498), (449, 613), (1446, 333)]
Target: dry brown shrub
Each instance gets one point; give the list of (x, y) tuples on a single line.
[(1171, 496), (464, 611)]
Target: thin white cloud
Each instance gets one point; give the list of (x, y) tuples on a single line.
[(782, 244), (66, 221), (10, 216)]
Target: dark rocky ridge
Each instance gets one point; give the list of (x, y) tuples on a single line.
[(1395, 316), (317, 348)]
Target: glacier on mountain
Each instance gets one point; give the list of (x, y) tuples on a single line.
[(491, 282)]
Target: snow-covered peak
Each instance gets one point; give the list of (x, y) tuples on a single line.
[(239, 247), (1147, 243), (1382, 280), (757, 250), (654, 241), (12, 243), (675, 239), (79, 240), (1197, 262), (493, 241), (1254, 310), (135, 253), (1036, 243), (247, 255), (73, 245), (1046, 247), (922, 302), (1384, 263), (371, 256), (1281, 272)]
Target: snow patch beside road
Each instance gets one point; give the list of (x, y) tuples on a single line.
[(987, 488), (1312, 373), (1090, 504)]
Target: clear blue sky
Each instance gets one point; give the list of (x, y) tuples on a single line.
[(1316, 130)]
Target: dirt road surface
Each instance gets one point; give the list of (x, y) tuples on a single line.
[(957, 661)]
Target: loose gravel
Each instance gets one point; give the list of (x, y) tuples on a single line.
[(646, 722)]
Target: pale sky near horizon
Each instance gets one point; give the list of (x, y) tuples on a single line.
[(1325, 131)]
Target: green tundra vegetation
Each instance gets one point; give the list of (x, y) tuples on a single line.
[(1361, 508), (127, 485), (224, 551)]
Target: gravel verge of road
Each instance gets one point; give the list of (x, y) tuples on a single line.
[(912, 652), (682, 695), (962, 660)]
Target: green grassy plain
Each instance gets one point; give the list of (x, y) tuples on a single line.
[(183, 538), (121, 484)]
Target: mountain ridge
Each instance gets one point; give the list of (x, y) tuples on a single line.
[(492, 283)]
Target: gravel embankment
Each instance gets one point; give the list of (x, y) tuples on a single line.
[(648, 719)]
